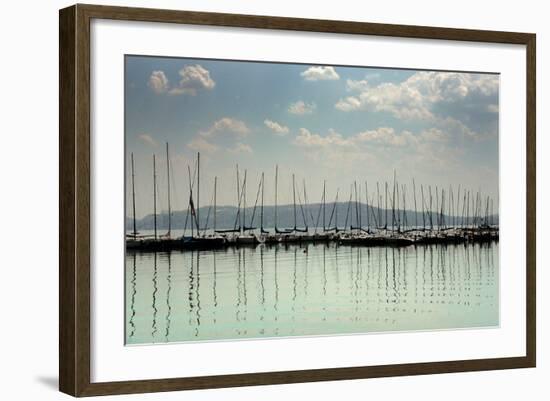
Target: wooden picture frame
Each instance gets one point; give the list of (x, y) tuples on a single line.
[(74, 200)]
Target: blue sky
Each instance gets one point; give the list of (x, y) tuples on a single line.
[(333, 123)]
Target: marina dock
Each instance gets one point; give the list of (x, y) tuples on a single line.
[(382, 220)]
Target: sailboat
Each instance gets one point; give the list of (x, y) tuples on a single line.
[(247, 237), (200, 241), (132, 239)]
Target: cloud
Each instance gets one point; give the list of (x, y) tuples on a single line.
[(386, 136), (277, 128), (192, 79), (319, 73), (434, 97), (401, 101), (384, 146), (158, 82), (222, 134), (353, 86), (434, 135), (200, 144), (310, 140), (227, 126), (350, 103), (301, 108), (240, 148), (148, 139)]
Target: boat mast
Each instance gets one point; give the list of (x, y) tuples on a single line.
[(431, 210), (155, 196), (191, 207), (463, 208), (262, 207), (133, 198), (372, 211), (215, 185), (378, 204), (487, 212), (198, 192), (276, 179), (386, 208), (457, 221), (238, 219), (169, 206), (415, 209), (356, 207), (442, 209), (474, 210), (367, 202), (294, 200), (324, 203), (244, 201), (451, 208), (404, 219), (468, 210), (492, 213), (478, 208), (336, 211), (348, 209), (437, 207), (360, 217), (423, 213), (306, 205), (393, 204)]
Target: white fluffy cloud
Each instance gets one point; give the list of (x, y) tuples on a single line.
[(223, 133), (240, 148), (200, 144), (399, 100), (227, 126), (350, 103), (301, 108), (319, 73), (385, 146), (352, 85), (192, 79), (277, 128), (440, 97), (385, 136), (158, 82), (148, 139), (308, 139)]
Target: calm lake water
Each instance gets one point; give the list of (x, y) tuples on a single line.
[(275, 291)]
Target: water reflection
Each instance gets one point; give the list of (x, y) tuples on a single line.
[(155, 290), (133, 280), (168, 290), (308, 290)]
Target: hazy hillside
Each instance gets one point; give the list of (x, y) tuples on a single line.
[(225, 217)]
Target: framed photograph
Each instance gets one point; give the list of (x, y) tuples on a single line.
[(249, 200)]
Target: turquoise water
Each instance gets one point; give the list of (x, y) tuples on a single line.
[(280, 291)]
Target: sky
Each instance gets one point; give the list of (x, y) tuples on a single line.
[(339, 124)]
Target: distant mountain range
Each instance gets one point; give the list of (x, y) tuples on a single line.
[(226, 215)]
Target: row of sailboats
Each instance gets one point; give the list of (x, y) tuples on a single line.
[(441, 224)]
